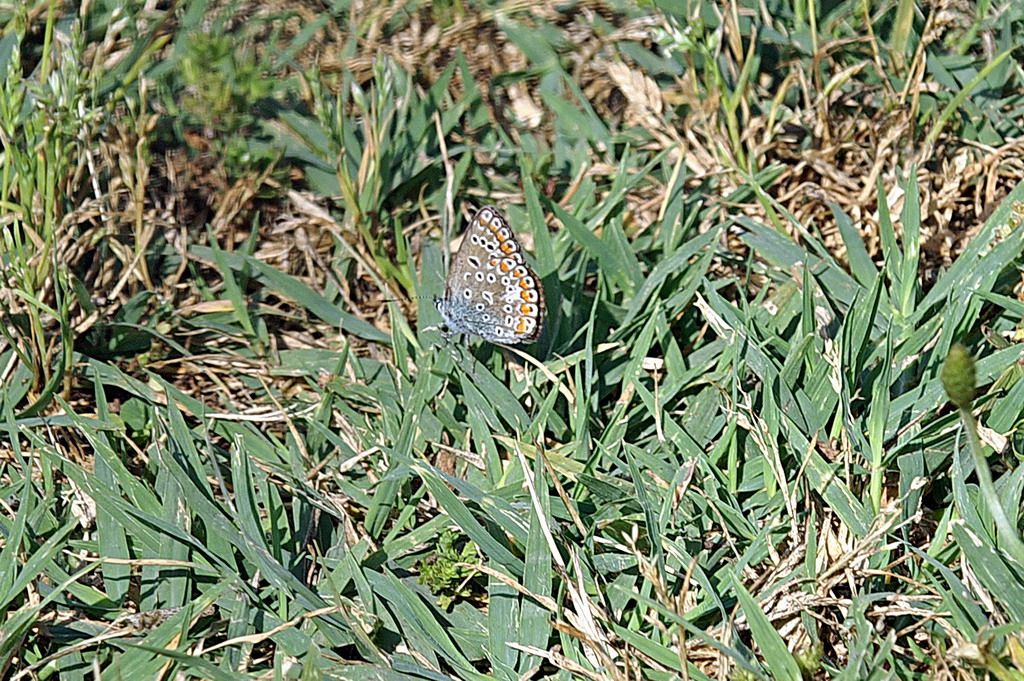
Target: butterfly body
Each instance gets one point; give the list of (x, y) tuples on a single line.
[(491, 291)]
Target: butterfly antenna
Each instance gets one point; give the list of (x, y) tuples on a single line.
[(409, 299)]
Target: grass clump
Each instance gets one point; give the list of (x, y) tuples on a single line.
[(772, 243)]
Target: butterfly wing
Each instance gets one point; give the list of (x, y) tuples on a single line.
[(491, 291)]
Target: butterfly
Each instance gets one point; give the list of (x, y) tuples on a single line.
[(490, 291)]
